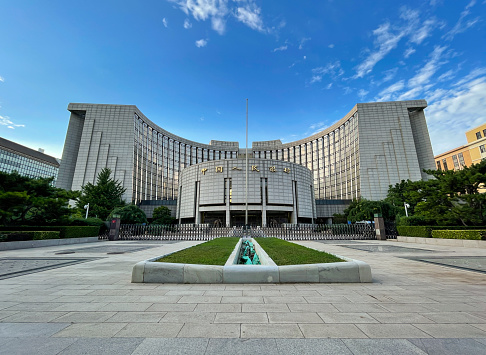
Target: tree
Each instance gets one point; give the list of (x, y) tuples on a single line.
[(130, 214), (25, 200), (103, 196), (162, 215), (364, 210)]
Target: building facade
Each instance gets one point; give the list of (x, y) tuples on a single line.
[(471, 153), (375, 145), (26, 161)]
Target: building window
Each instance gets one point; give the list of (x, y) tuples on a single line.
[(461, 159), (482, 148), (478, 135), (444, 163), (438, 165), (484, 132), (456, 162)]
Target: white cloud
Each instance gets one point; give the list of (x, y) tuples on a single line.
[(316, 79), (329, 86), (334, 70), (201, 43), (187, 24), (5, 121), (462, 24), (472, 75), (389, 74), (386, 94), (250, 16), (2, 79), (302, 42), (362, 93), (408, 52), (448, 75), (281, 48), (456, 110), (331, 45), (425, 73), (164, 21), (305, 57), (215, 10)]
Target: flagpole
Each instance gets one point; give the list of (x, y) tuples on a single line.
[(246, 178)]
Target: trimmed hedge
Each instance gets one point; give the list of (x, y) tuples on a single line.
[(460, 234), (426, 231), (17, 236), (64, 231)]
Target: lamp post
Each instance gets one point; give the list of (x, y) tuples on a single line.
[(86, 207), (406, 206), (246, 177)]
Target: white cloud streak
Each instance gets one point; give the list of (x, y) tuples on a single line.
[(462, 24), (164, 21), (250, 16), (6, 121), (302, 42), (187, 24), (2, 79), (201, 43), (334, 70), (281, 48)]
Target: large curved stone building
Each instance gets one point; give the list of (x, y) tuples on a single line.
[(375, 145)]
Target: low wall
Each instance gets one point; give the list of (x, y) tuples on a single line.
[(466, 243), (150, 271), (45, 243)]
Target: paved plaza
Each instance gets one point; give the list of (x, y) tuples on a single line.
[(78, 299)]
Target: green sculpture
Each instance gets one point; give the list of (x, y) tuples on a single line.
[(248, 255)]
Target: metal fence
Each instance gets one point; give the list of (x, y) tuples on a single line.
[(206, 232)]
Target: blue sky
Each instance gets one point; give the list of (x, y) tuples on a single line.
[(189, 65)]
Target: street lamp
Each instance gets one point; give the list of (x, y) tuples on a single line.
[(86, 207), (406, 206)]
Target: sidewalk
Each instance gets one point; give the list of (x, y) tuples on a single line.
[(90, 306)]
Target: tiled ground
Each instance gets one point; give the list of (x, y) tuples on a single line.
[(412, 307)]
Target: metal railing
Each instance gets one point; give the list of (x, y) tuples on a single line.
[(206, 232)]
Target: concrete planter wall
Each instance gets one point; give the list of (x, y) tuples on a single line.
[(466, 243), (150, 271), (45, 243)]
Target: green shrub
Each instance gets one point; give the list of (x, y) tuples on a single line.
[(415, 231), (415, 221), (64, 231), (17, 236), (460, 234), (41, 235)]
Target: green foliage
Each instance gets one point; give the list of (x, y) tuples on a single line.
[(213, 252), (64, 231), (339, 218), (451, 198), (415, 221), (15, 236), (364, 210), (287, 253), (460, 234), (27, 201), (414, 231), (162, 215), (130, 214), (103, 196)]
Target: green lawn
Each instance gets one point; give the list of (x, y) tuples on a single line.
[(214, 252), (217, 252), (287, 253)]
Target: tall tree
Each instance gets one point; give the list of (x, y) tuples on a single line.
[(103, 196), (162, 215), (24, 200)]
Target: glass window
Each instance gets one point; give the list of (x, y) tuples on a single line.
[(484, 132), (455, 161), (438, 165), (461, 159), (482, 148), (478, 135), (444, 163)]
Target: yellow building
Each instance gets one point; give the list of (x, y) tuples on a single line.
[(471, 153)]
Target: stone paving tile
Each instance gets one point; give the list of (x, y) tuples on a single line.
[(234, 293), (404, 307), (302, 293), (243, 300), (327, 299), (171, 307), (314, 307), (203, 299), (81, 307), (172, 346), (450, 346), (480, 326), (340, 317), (453, 317), (149, 330), (452, 330), (38, 346), (192, 330), (294, 317), (331, 331), (241, 318), (290, 299), (450, 307), (33, 317), (4, 314), (30, 329), (359, 307), (218, 307), (136, 317), (312, 347), (35, 306), (105, 346), (154, 299), (382, 346), (242, 346), (185, 293), (90, 330), (271, 293), (271, 331), (127, 307), (397, 317), (265, 307), (188, 317), (243, 287), (85, 317), (479, 306), (392, 331)]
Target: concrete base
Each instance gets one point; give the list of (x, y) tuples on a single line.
[(466, 243), (45, 243), (150, 271)]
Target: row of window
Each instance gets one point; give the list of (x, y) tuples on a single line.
[(478, 134), (457, 160)]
